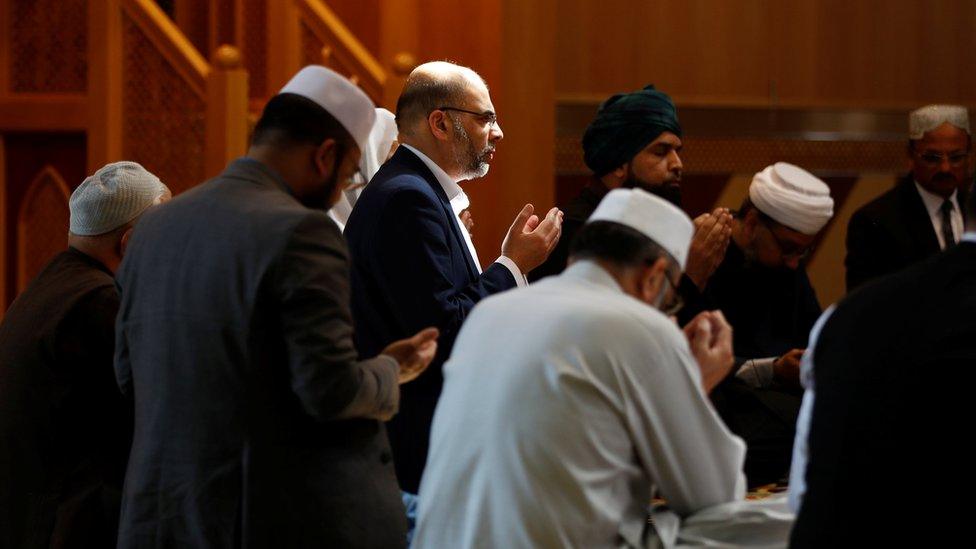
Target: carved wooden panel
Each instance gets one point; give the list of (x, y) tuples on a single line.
[(48, 46), (42, 224), (163, 118)]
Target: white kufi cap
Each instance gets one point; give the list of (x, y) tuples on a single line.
[(654, 217), (113, 196), (337, 95), (931, 117), (793, 197)]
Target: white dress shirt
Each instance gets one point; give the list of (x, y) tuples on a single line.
[(459, 203), (933, 204)]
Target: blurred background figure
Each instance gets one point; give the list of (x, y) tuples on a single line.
[(65, 429)]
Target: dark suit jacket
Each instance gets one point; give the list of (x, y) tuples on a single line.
[(894, 372), (412, 269), (889, 233), (65, 429), (252, 415)]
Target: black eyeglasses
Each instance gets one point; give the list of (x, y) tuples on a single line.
[(787, 249), (676, 303), (489, 118)]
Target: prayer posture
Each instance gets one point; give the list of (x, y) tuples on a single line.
[(921, 215), (634, 142), (558, 433), (65, 429), (256, 425), (879, 416), (414, 264), (762, 288)]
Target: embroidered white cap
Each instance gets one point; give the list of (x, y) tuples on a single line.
[(337, 95), (931, 117), (111, 197), (654, 217)]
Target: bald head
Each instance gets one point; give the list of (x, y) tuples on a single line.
[(431, 86)]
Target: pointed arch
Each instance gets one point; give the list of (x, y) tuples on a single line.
[(42, 223)]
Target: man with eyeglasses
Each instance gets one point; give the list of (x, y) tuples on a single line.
[(763, 289), (559, 436), (920, 216), (414, 263)]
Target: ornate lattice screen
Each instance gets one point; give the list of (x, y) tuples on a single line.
[(163, 116), (254, 47), (48, 46)]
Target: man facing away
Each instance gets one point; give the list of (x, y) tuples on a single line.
[(414, 264), (559, 434), (921, 215), (256, 425), (889, 389), (65, 429)]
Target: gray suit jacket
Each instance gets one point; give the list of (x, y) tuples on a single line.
[(255, 423)]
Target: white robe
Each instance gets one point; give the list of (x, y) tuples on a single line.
[(564, 405)]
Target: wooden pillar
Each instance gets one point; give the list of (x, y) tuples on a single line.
[(399, 45), (4, 259), (104, 83), (527, 92), (283, 42), (227, 110)]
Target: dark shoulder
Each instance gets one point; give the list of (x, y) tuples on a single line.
[(886, 204)]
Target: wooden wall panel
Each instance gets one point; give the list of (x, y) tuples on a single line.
[(26, 155), (867, 53)]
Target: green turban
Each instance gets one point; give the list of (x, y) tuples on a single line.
[(625, 124)]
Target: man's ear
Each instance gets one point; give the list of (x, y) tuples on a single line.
[(124, 241), (324, 159), (615, 178), (650, 283), (749, 225), (439, 124)]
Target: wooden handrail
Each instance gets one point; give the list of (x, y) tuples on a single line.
[(345, 47), (171, 43)]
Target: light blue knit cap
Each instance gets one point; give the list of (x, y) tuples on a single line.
[(113, 196)]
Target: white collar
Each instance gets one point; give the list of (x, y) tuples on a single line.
[(591, 271), (450, 186), (969, 236), (933, 202)]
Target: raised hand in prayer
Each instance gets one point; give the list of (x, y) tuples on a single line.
[(712, 234), (468, 221), (710, 338), (414, 353), (530, 241), (786, 369)]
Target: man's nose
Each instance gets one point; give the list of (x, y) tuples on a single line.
[(496, 133)]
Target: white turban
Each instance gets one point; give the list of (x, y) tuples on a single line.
[(381, 138), (793, 197), (931, 117), (113, 196)]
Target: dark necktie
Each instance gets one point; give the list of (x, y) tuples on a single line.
[(947, 235)]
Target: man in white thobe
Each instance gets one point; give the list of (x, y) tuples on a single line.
[(556, 429)]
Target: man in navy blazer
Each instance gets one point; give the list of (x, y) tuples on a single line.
[(413, 260)]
